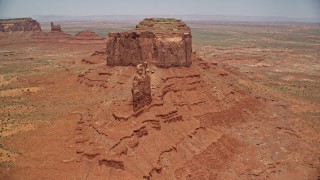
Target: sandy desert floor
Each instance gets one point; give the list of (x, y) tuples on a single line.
[(247, 108)]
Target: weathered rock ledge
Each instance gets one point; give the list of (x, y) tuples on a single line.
[(162, 42)]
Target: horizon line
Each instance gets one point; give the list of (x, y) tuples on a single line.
[(205, 17)]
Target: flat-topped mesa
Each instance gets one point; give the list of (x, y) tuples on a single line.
[(159, 41), (55, 28), (19, 24)]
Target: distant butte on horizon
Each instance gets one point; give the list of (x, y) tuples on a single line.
[(185, 17)]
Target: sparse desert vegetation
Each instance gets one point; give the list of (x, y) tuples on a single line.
[(248, 107)]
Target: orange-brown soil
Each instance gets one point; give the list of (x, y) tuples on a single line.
[(65, 118)]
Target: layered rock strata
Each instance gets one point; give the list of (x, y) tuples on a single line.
[(19, 24), (163, 42)]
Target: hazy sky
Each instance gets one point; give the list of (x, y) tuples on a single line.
[(264, 8)]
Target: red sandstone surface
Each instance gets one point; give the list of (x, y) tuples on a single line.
[(70, 116), (99, 56)]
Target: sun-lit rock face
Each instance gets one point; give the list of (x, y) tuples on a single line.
[(141, 88), (163, 42), (19, 24)]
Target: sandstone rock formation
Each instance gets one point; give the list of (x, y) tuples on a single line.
[(96, 57), (163, 42), (141, 88), (87, 35), (19, 24), (185, 129), (56, 33), (56, 28)]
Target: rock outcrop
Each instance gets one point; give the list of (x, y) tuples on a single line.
[(56, 33), (88, 35), (19, 24), (163, 42), (96, 57), (55, 28), (141, 88)]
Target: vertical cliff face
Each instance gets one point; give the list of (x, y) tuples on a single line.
[(124, 49), (163, 42), (19, 24), (141, 88)]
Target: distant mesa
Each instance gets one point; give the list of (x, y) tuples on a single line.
[(159, 41), (88, 35), (19, 24), (55, 28), (33, 31), (55, 33)]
